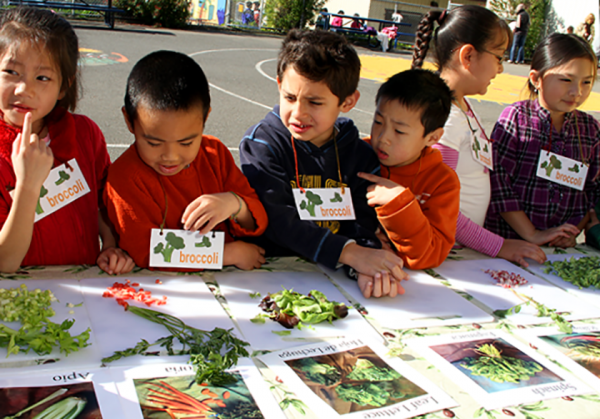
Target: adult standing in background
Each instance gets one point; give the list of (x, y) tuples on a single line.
[(517, 52), (586, 28)]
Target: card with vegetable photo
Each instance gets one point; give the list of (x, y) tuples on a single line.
[(324, 204), (171, 390), (513, 293), (276, 309), (354, 378), (63, 393), (44, 325), (578, 351), (156, 317), (186, 249), (496, 369), (577, 274), (426, 302)]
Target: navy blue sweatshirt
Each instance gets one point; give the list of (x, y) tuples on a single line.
[(267, 159)]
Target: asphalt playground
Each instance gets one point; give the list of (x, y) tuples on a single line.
[(241, 70)]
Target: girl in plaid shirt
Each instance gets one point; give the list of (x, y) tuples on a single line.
[(470, 43), (527, 202)]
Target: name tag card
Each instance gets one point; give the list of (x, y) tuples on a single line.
[(63, 186), (562, 170), (481, 150), (186, 249), (324, 204)]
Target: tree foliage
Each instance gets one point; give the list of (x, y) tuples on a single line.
[(288, 14), (164, 13)]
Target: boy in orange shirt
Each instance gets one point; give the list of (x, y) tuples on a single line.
[(174, 176), (418, 196)]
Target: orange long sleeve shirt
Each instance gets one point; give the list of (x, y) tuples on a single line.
[(136, 203), (421, 221)]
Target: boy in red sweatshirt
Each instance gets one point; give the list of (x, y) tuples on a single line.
[(174, 176), (417, 197)]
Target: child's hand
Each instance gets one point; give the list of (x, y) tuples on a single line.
[(380, 285), (115, 261), (566, 230), (383, 190), (206, 211), (31, 158), (369, 261), (518, 250), (243, 255), (564, 242)]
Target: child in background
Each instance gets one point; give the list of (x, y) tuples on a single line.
[(39, 85), (303, 144), (525, 205), (418, 196), (470, 43), (338, 21), (174, 176)]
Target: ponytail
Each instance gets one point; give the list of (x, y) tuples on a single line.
[(473, 25)]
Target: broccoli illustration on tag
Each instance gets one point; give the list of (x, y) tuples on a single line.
[(62, 177), (204, 243), (485, 148), (173, 242), (476, 147), (336, 198), (312, 200), (553, 163), (43, 193), (575, 168)]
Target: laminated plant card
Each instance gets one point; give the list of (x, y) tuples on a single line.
[(354, 378), (162, 391), (87, 394), (496, 369), (578, 351)]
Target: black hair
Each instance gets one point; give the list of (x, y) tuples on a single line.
[(558, 49), (473, 25), (420, 90), (50, 33), (321, 56), (166, 81)]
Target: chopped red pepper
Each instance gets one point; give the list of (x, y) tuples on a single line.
[(126, 291)]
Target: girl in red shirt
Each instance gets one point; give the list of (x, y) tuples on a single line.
[(38, 86)]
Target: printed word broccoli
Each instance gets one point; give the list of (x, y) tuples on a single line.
[(173, 242), (476, 147), (554, 163), (575, 168), (313, 200), (336, 198), (204, 243), (43, 193), (62, 177)]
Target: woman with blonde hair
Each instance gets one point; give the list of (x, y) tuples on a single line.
[(586, 28)]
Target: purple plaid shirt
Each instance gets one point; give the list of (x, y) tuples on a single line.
[(522, 130)]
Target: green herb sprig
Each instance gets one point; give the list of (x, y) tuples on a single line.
[(205, 348), (542, 311)]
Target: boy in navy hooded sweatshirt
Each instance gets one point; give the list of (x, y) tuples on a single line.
[(302, 143)]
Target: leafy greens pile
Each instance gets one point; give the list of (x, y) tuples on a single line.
[(291, 308), (205, 348), (583, 272), (33, 310)]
